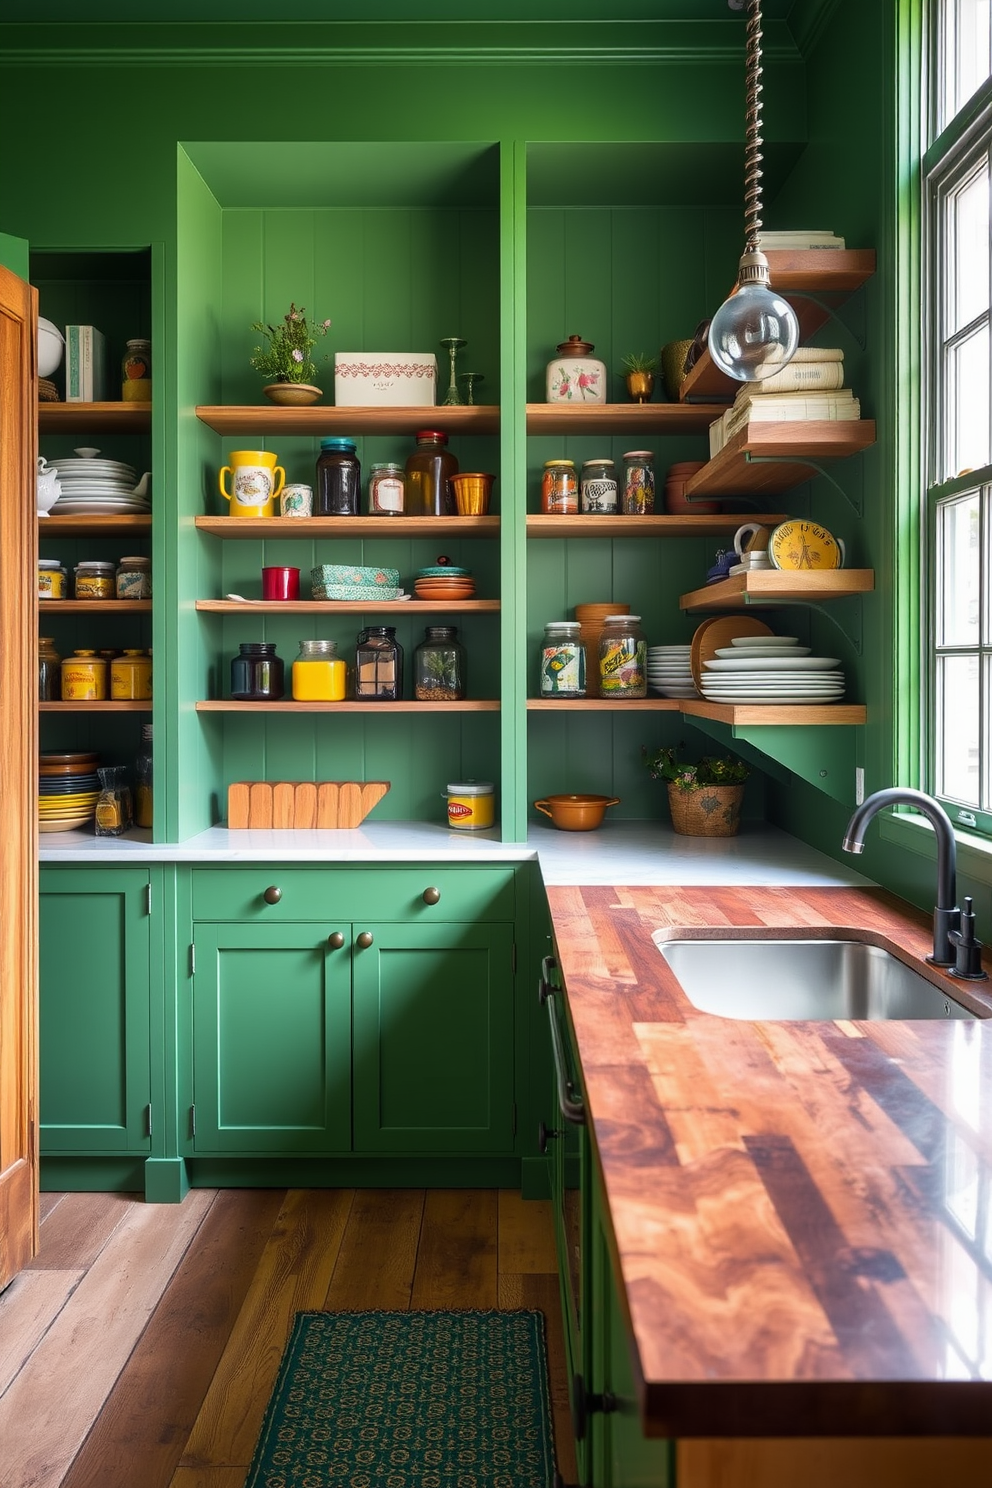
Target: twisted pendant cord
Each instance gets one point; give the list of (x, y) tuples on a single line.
[(752, 129)]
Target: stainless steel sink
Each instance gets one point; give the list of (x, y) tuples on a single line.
[(805, 979)]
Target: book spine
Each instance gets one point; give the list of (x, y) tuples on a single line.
[(86, 363), (73, 392), (803, 375)]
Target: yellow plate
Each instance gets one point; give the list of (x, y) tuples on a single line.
[(64, 805), (799, 546), (68, 825)]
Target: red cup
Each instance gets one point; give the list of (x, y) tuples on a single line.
[(280, 583)]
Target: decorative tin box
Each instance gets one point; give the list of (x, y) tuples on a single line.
[(385, 379)]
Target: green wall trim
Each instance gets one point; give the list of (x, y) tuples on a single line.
[(359, 1171), (165, 1180)]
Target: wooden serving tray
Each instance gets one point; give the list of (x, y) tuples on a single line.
[(301, 805)]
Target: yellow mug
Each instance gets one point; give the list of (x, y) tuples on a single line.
[(257, 483)]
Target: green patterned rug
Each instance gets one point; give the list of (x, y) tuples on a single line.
[(409, 1400)]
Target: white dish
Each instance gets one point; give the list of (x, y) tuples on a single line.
[(760, 652), (100, 509), (774, 664), (793, 700), (752, 694), (822, 682), (760, 640)]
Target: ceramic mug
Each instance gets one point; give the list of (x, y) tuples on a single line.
[(296, 501), (257, 481), (743, 538)]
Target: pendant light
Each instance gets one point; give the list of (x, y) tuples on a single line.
[(755, 332)]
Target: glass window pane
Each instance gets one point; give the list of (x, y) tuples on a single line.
[(966, 52), (959, 558), (958, 729), (967, 404), (968, 250)]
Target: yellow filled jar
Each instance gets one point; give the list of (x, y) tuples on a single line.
[(84, 678), (53, 579), (131, 677), (471, 805), (95, 580), (319, 674)]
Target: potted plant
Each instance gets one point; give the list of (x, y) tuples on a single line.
[(704, 798), (287, 358), (639, 370)]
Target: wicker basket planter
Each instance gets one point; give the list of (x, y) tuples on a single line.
[(707, 811)]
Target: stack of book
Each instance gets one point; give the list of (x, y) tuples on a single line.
[(798, 239), (810, 387)]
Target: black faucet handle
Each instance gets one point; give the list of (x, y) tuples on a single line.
[(967, 949)]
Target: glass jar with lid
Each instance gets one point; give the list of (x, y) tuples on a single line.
[(560, 488), (339, 479), (114, 805), (638, 483), (439, 666), (143, 779), (49, 670), (599, 486), (378, 665), (136, 372), (319, 674), (563, 660), (257, 674), (95, 580), (53, 578), (622, 658), (429, 469), (387, 488), (133, 579)]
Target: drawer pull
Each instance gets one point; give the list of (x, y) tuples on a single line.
[(545, 1134), (335, 940), (364, 940), (272, 894), (432, 896), (569, 1102)]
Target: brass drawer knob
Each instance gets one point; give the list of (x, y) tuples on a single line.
[(432, 896), (272, 894), (364, 940), (335, 940)]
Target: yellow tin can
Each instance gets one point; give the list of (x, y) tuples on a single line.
[(84, 678), (131, 676), (471, 805), (53, 579)]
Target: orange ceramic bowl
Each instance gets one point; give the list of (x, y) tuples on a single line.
[(576, 813)]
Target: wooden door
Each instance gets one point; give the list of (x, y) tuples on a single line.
[(18, 751)]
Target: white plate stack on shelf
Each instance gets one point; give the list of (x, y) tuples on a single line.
[(669, 672), (771, 669), (92, 487)]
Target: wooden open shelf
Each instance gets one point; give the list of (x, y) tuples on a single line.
[(544, 524), (94, 607), (94, 418), (775, 713), (347, 607), (771, 586), (642, 419), (327, 419), (831, 274), (314, 527), (143, 706), (94, 526), (767, 459), (229, 705)]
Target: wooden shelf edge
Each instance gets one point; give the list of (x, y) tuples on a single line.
[(94, 607), (52, 526), (465, 418), (621, 418), (102, 707), (737, 469), (543, 524), (603, 705), (286, 705), (280, 528), (347, 607), (771, 586), (54, 418), (771, 714)]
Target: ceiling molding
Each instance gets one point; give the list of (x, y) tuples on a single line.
[(809, 23)]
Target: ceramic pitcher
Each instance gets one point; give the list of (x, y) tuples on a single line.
[(256, 483)]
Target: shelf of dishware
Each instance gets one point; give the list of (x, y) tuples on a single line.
[(323, 419), (621, 418), (464, 705), (316, 527), (829, 274), (94, 418), (94, 607), (767, 459), (54, 526), (544, 524), (348, 607), (750, 714), (109, 706), (771, 586)]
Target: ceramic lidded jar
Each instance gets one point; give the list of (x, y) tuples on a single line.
[(574, 375)]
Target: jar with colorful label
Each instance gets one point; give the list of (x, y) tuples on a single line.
[(560, 488), (386, 490), (95, 580), (622, 658), (471, 805), (84, 678), (53, 578), (136, 372), (131, 677), (134, 578), (319, 674), (599, 487), (563, 660), (638, 483)]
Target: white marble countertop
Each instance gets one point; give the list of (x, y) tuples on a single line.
[(631, 852)]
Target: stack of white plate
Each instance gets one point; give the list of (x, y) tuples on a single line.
[(95, 487), (771, 669), (669, 673)]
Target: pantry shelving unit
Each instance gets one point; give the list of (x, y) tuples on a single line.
[(770, 586)]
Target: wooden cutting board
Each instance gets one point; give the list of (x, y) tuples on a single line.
[(301, 805), (720, 631)]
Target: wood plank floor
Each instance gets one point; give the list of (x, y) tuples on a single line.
[(140, 1348)]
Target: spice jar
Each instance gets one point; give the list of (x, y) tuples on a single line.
[(53, 578), (49, 670), (257, 673), (113, 804), (319, 674), (133, 579), (136, 372), (563, 660), (386, 490), (574, 375), (131, 676), (439, 666), (471, 805), (638, 483), (599, 486), (428, 476), (95, 580), (143, 779), (379, 665), (560, 488), (622, 658), (339, 479), (84, 678)]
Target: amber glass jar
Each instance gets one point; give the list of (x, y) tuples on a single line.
[(429, 469), (49, 671)]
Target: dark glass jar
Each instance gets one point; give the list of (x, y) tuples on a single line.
[(379, 665), (338, 491), (257, 673), (439, 666), (429, 492), (49, 670)]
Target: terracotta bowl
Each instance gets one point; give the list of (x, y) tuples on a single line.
[(576, 813)]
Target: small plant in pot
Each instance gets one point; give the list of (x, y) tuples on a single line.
[(287, 359), (639, 370), (705, 797)]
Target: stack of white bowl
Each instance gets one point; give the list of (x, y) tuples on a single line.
[(771, 669), (669, 672)]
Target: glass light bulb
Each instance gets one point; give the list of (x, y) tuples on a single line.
[(754, 334)]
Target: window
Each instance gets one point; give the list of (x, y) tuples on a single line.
[(958, 400)]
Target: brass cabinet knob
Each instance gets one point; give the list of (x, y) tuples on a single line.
[(335, 940), (272, 894), (432, 896), (364, 940)]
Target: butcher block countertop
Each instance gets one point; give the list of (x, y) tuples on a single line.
[(792, 1205)]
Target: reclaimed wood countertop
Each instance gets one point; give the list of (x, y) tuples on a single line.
[(793, 1204)]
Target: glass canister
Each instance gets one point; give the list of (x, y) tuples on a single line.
[(379, 665), (575, 375), (563, 660), (114, 806), (257, 674), (471, 805), (49, 670), (84, 677), (143, 799), (131, 676), (638, 483), (560, 488), (95, 580), (622, 658), (429, 469), (136, 372), (338, 489), (599, 486), (387, 489), (133, 579), (319, 674), (53, 578), (439, 666)]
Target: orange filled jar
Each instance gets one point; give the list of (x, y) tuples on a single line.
[(560, 488)]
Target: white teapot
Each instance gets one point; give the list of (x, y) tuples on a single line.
[(49, 486)]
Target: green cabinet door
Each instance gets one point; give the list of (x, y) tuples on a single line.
[(271, 1041), (94, 1011), (433, 1056)]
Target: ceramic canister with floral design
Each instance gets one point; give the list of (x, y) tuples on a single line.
[(574, 375)]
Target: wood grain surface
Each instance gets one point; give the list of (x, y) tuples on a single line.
[(290, 805), (801, 1212)]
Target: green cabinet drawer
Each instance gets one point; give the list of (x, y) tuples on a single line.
[(333, 895)]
